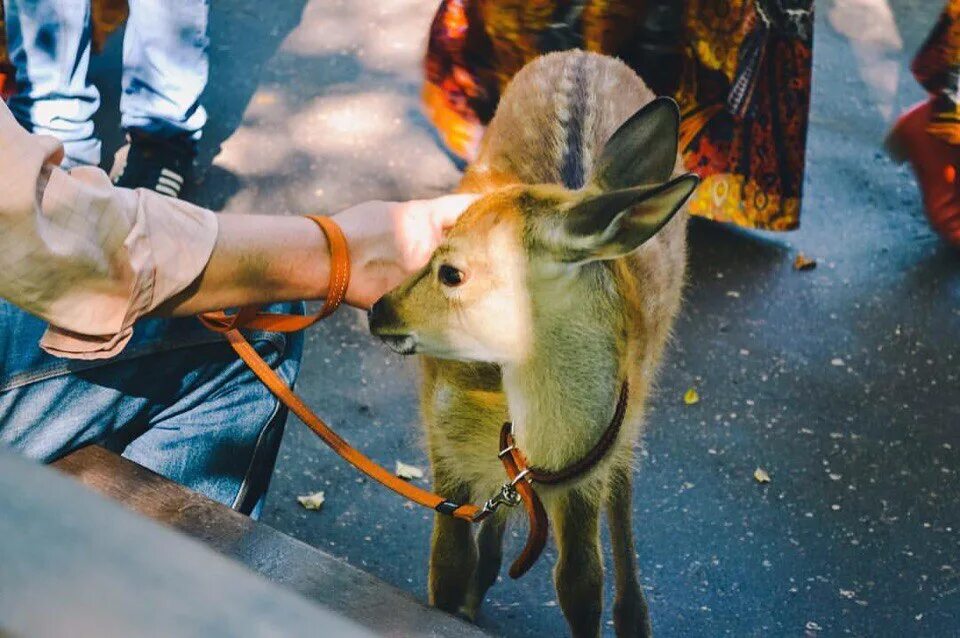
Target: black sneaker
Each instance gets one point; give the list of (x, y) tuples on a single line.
[(162, 165)]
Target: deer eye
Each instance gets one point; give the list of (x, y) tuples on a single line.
[(449, 276)]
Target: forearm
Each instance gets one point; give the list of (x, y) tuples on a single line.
[(91, 259), (257, 259)]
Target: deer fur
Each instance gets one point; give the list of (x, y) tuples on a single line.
[(572, 263)]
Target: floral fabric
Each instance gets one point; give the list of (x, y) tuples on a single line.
[(740, 70)]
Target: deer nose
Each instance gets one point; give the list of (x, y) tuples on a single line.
[(386, 324), (382, 316)]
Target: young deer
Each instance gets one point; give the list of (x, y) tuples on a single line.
[(554, 289)]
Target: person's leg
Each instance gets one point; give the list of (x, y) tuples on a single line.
[(165, 68), (177, 400), (211, 425), (164, 74), (928, 135), (49, 42)]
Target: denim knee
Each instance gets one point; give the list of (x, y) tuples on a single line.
[(266, 422)]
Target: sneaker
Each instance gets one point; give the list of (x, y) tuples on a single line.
[(161, 165)]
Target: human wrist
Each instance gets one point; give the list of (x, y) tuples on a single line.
[(318, 282), (369, 229), (299, 261), (338, 258)]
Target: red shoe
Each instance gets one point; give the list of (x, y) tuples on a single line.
[(936, 164), (6, 84)]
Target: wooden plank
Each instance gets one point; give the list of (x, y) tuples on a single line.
[(72, 563), (285, 560)]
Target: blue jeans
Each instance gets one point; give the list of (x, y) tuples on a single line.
[(176, 400), (164, 70)]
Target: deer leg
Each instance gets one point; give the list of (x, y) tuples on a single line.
[(578, 575), (453, 557), (630, 615), (490, 556)]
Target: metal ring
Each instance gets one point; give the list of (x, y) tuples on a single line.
[(519, 477)]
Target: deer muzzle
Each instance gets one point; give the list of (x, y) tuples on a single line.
[(386, 325)]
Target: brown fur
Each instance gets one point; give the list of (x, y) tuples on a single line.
[(540, 337)]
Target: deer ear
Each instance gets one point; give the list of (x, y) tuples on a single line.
[(616, 223), (643, 150)]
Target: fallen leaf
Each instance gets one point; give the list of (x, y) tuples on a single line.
[(691, 397), (408, 472), (761, 475), (312, 501), (802, 262)]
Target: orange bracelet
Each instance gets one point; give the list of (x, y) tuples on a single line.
[(339, 264), (251, 317)]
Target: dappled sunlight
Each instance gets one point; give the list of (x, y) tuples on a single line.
[(250, 151), (336, 150), (876, 43), (346, 122), (376, 32), (267, 103), (335, 119), (342, 176)]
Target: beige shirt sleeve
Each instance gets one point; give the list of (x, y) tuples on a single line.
[(84, 255)]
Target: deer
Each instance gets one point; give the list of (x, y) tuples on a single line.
[(553, 293)]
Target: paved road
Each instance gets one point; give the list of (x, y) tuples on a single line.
[(840, 382)]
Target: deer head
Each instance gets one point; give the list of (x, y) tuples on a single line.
[(524, 253)]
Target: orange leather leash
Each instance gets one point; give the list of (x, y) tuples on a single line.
[(519, 474), (250, 317), (516, 491)]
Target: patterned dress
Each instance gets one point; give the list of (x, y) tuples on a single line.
[(937, 69), (740, 70)]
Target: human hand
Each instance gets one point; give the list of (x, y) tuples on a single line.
[(390, 240)]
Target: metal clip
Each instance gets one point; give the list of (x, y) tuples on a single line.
[(508, 495)]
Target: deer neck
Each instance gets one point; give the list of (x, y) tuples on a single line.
[(562, 395)]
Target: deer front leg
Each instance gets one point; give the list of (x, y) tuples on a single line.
[(453, 556), (578, 575), (631, 618), (490, 556)]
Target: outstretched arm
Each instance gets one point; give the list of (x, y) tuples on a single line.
[(91, 259), (259, 259)]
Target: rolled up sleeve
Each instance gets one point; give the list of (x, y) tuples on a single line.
[(84, 255)]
